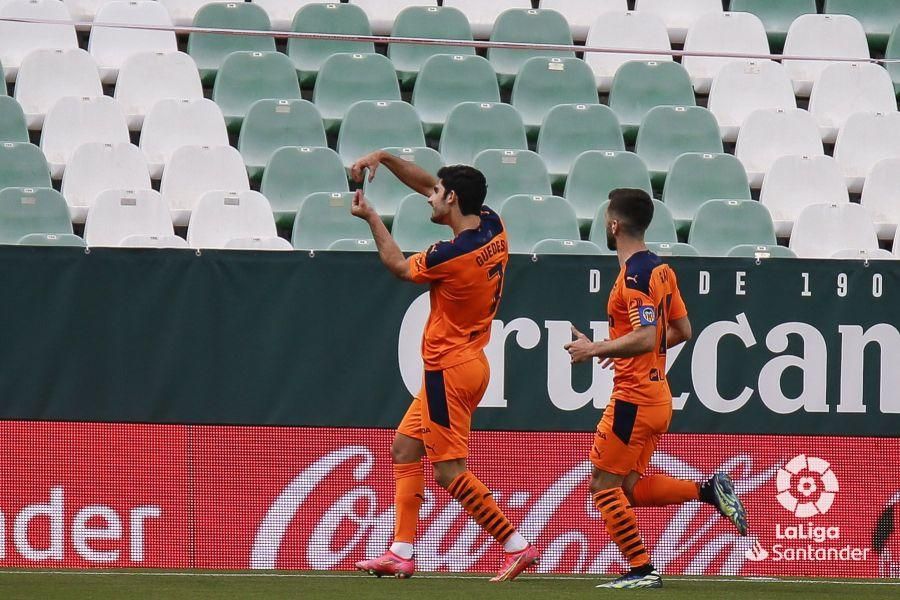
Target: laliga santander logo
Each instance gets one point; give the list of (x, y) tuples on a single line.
[(806, 486)]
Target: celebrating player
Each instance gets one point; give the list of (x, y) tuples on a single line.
[(466, 279), (646, 317)]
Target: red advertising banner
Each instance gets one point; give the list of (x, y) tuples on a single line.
[(84, 495)]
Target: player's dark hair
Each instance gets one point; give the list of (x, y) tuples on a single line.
[(633, 209), (468, 183)]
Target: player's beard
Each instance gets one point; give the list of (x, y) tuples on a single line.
[(610, 240)]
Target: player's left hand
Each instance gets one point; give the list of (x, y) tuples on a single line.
[(580, 350), (361, 207)]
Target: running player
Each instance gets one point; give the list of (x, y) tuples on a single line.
[(646, 317), (466, 280)]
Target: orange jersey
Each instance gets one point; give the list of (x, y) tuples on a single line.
[(466, 277), (645, 293)]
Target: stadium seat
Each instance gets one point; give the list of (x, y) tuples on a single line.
[(626, 30), (84, 10), (259, 243), (472, 127), (844, 89), (769, 134), (581, 14), (742, 87), (281, 12), (695, 178), (223, 216), (893, 52), (373, 125), (26, 210), (149, 77), (171, 124), (118, 214), (51, 239), (760, 252), (530, 219), (728, 33), (447, 80), (210, 50), (720, 225), (821, 230), (272, 124), (153, 241), (12, 121), (776, 15), (45, 76), (878, 17), (832, 36), (881, 196), (23, 165), (527, 26), (661, 230), (412, 229), (511, 172), (343, 19), (386, 191), (95, 168), (76, 121), (795, 182), (896, 246), (852, 254), (350, 245), (669, 131), (246, 77), (183, 12), (112, 46), (570, 129), (346, 79), (482, 15), (639, 86), (865, 139), (596, 173), (672, 249), (544, 83), (431, 22), (576, 247), (294, 173), (678, 16), (194, 170), (20, 39), (383, 13), (324, 218)]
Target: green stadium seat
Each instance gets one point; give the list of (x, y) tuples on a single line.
[(533, 26), (447, 80), (370, 126), (386, 191), (642, 85), (52, 239), (530, 219), (696, 178), (432, 22), (672, 249), (272, 124), (346, 79), (661, 230), (344, 19), (354, 246), (878, 18), (570, 129), (412, 229), (511, 172), (667, 132), (12, 121), (893, 51), (294, 173), (769, 251), (544, 83), (209, 50), (246, 77), (577, 247), (472, 127), (25, 210), (23, 165), (776, 15), (324, 218), (720, 225), (596, 173)]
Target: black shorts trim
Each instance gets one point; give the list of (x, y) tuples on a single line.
[(624, 415), (436, 394)]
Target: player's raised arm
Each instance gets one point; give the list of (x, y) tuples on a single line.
[(412, 175), (388, 250)]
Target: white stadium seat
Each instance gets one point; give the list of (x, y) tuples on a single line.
[(728, 33), (20, 39), (194, 170), (896, 246), (382, 13), (881, 195), (821, 230), (118, 214), (829, 36), (76, 121), (153, 241), (220, 217), (581, 14), (680, 15), (853, 254), (171, 124), (742, 87), (281, 12), (843, 89), (95, 168), (626, 30), (112, 46), (255, 243), (769, 134), (865, 139), (45, 76), (149, 77), (795, 182), (84, 10), (482, 13), (183, 12)]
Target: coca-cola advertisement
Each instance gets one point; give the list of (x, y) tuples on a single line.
[(88, 495)]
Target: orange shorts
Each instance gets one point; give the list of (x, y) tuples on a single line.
[(441, 414), (627, 435)]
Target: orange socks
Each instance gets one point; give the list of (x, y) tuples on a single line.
[(408, 498), (621, 525), (478, 501), (662, 490)]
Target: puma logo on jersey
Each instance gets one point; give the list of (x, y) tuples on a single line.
[(633, 278)]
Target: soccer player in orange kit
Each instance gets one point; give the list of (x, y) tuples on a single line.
[(465, 276), (646, 317)]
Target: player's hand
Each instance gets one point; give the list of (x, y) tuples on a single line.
[(580, 350), (369, 161), (361, 207)]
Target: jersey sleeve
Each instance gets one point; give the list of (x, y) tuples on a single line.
[(677, 310), (429, 266), (641, 309)]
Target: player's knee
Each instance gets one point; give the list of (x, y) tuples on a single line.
[(404, 453)]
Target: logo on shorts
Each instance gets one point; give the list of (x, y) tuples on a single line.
[(806, 486)]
